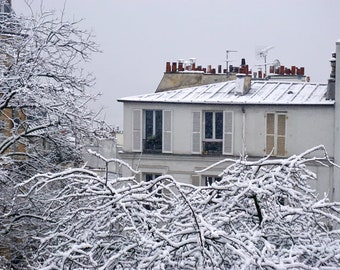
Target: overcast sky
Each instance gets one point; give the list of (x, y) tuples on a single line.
[(137, 37)]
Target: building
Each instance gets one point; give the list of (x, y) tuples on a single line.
[(9, 117), (100, 154), (182, 131)]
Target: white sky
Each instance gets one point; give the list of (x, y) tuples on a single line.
[(137, 37)]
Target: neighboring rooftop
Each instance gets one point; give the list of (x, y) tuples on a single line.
[(260, 92), (184, 74)]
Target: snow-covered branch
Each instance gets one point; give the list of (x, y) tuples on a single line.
[(164, 224)]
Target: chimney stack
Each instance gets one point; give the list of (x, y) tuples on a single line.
[(331, 81), (242, 84)]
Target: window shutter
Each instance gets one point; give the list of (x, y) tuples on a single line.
[(138, 177), (137, 131), (228, 129), (281, 135), (195, 180), (270, 132), (167, 132), (196, 133)]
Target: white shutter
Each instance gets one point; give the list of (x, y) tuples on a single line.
[(137, 131), (228, 130), (196, 180), (270, 133), (138, 177), (281, 135), (167, 132), (196, 133)]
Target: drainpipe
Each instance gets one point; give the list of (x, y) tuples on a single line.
[(243, 132)]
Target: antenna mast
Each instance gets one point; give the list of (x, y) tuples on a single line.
[(263, 53), (227, 60)]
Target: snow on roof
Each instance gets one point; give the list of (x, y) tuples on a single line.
[(261, 92)]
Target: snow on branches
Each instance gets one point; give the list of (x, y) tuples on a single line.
[(43, 93), (261, 215), (43, 114)]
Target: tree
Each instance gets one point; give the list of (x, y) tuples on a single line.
[(261, 215), (43, 107)]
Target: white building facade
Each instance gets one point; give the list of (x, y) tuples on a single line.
[(180, 132)]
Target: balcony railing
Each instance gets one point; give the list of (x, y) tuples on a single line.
[(152, 145), (213, 148)]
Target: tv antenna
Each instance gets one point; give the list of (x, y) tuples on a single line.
[(227, 59), (262, 53)]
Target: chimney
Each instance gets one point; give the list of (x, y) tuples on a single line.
[(242, 84), (331, 81), (180, 65), (333, 64), (243, 62), (167, 67), (219, 69), (174, 67), (293, 68), (192, 63)]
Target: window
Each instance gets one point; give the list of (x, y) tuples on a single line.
[(211, 179), (213, 132), (217, 132), (276, 134), (150, 176), (152, 140), (152, 131)]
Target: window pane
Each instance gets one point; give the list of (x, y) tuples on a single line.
[(153, 131), (148, 177), (219, 125), (159, 124), (148, 124), (209, 180), (208, 125), (151, 176)]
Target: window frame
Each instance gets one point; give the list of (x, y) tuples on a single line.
[(164, 141), (208, 144), (226, 143), (152, 143), (214, 124), (210, 179)]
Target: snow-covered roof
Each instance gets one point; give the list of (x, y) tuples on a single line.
[(261, 92)]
